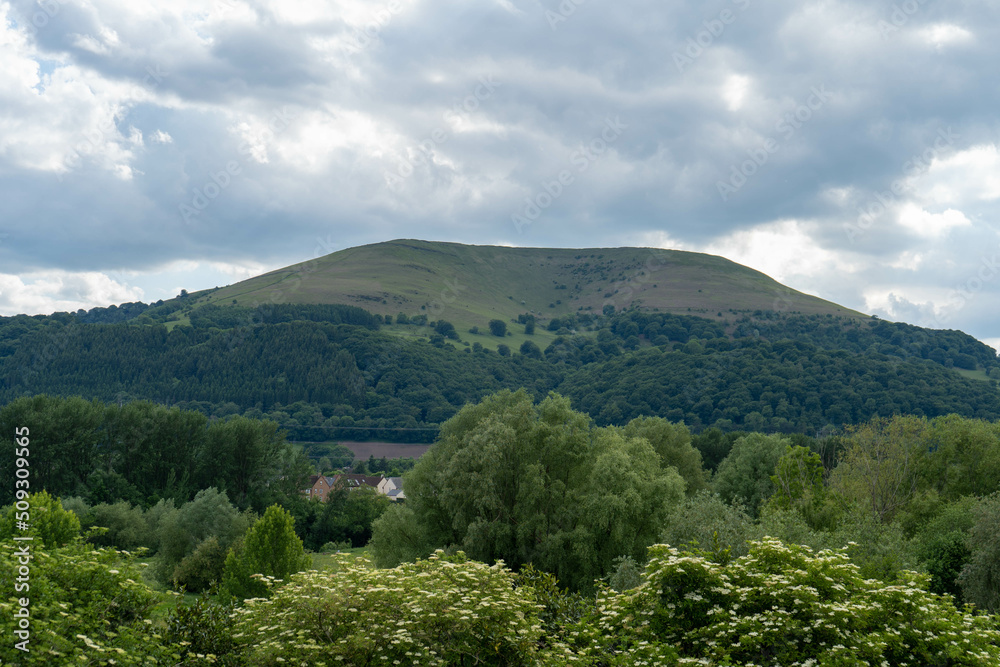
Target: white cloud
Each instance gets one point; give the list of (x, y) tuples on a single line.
[(968, 175), (734, 90), (931, 225), (55, 291), (943, 34), (783, 250)]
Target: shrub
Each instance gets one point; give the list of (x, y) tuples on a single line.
[(203, 567), (126, 526), (784, 605), (46, 518), (205, 628), (180, 531), (332, 547), (445, 610), (86, 607), (271, 548)]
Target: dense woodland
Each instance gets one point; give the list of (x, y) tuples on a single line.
[(328, 372)]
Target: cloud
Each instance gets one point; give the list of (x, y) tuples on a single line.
[(863, 139), (63, 291)]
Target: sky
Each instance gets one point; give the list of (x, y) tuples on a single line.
[(847, 149)]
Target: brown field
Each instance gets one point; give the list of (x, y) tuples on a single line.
[(390, 450)]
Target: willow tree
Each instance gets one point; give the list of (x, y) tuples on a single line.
[(523, 483)]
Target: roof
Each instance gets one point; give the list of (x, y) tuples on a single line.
[(355, 481)]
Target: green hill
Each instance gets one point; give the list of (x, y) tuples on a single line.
[(469, 285), (622, 331)]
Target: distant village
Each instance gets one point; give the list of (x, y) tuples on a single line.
[(322, 485)]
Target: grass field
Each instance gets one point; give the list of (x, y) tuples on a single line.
[(470, 285), (978, 374), (323, 562)]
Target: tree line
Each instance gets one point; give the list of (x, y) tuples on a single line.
[(323, 374)]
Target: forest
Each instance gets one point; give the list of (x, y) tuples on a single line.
[(531, 535), (337, 372)]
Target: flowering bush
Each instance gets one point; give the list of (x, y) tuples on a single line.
[(784, 605), (445, 610), (87, 607)]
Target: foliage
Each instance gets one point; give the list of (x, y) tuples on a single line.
[(498, 328), (798, 482), (141, 452), (204, 628), (182, 532), (47, 520), (942, 545), (788, 606), (673, 444), (271, 548), (398, 537), (126, 526), (980, 578), (332, 547), (202, 568), (86, 607), (706, 522), (879, 466), (745, 474), (445, 610), (512, 481)]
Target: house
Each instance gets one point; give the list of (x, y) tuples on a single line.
[(396, 490), (353, 481), (321, 486)]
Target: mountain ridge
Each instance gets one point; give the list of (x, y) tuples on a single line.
[(467, 283)]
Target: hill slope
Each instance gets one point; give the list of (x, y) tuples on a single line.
[(468, 285)]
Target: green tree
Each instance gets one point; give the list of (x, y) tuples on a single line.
[(181, 531), (798, 483), (270, 548), (498, 328), (520, 482), (45, 517), (706, 522), (879, 466), (745, 474), (672, 443), (126, 526), (980, 578), (529, 349)]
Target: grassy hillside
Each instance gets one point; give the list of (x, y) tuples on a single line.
[(469, 285)]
